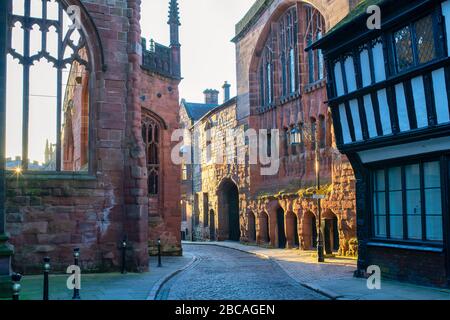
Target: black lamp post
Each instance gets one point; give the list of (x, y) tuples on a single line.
[(16, 277), (46, 274), (124, 255), (320, 255), (296, 139), (159, 254), (76, 258)]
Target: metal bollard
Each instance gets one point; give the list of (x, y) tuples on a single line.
[(124, 255), (46, 274), (159, 254), (16, 277), (76, 257)]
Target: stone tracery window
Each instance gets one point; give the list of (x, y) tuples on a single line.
[(288, 34), (48, 120), (266, 74), (315, 26), (151, 136)]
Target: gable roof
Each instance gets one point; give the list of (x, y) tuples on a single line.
[(196, 111)]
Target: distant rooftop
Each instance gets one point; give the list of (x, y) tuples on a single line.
[(196, 111)]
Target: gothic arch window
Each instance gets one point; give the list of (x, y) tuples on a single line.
[(266, 73), (46, 41), (315, 27), (288, 34), (151, 136)]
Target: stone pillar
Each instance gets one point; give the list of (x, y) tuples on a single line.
[(6, 249)]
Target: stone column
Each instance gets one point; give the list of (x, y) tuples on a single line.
[(6, 249)]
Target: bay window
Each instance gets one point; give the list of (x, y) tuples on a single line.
[(407, 202)]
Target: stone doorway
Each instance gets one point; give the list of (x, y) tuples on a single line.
[(251, 227), (263, 236), (281, 228), (229, 224), (309, 231), (212, 225), (331, 233)]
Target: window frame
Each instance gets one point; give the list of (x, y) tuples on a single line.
[(385, 166), (150, 122), (439, 46), (26, 61)]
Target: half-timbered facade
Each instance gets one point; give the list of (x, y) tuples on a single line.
[(389, 93)]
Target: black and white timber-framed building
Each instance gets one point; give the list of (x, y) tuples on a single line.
[(389, 92)]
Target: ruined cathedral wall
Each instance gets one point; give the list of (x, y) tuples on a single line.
[(51, 214), (159, 98)]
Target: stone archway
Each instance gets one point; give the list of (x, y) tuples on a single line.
[(309, 231), (263, 230), (292, 230), (229, 222), (331, 232), (251, 227), (281, 229)]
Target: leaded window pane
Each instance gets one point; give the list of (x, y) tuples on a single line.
[(426, 50), (403, 48)]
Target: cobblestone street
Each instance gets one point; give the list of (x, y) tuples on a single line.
[(227, 274)]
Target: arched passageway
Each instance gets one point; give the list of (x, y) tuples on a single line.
[(331, 232), (229, 225), (292, 230), (263, 234), (212, 225), (251, 227), (281, 228), (309, 231)]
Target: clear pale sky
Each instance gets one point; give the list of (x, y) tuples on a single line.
[(207, 26), (208, 59)]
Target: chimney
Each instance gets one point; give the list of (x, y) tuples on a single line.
[(226, 91), (211, 96)]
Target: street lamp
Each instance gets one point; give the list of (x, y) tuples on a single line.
[(320, 255), (297, 139), (296, 136)]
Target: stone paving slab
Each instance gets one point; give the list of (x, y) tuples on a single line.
[(106, 286), (334, 278)]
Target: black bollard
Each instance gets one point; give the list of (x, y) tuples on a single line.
[(46, 274), (76, 257), (16, 277), (159, 254), (124, 255)]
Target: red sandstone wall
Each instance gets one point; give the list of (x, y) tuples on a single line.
[(160, 97), (49, 215)]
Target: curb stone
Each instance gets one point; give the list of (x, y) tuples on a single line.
[(158, 285)]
